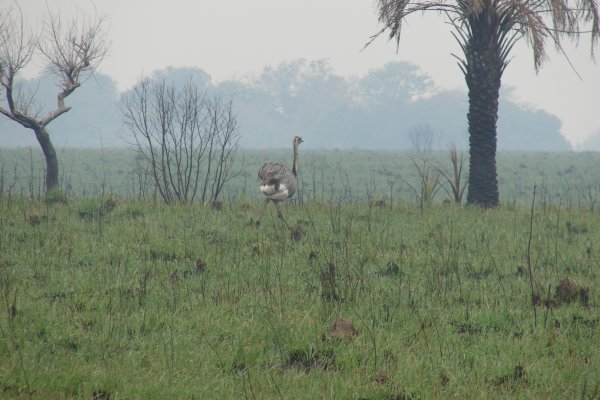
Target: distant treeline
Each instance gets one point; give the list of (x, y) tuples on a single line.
[(394, 107)]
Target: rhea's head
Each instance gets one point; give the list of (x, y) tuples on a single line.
[(297, 140)]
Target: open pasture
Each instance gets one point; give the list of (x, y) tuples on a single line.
[(112, 298), (371, 294), (569, 179)]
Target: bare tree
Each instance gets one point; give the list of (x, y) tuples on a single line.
[(223, 147), (188, 139), (72, 51)]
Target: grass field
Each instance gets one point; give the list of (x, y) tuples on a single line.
[(114, 296), (570, 179), (110, 298)]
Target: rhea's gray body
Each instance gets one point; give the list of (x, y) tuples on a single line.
[(278, 182)]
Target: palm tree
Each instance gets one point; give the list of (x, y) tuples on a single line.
[(486, 31)]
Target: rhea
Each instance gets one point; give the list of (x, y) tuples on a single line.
[(277, 182)]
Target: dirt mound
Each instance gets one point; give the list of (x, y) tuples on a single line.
[(569, 291), (343, 329)]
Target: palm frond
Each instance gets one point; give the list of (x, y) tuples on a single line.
[(506, 20), (590, 13), (391, 14)]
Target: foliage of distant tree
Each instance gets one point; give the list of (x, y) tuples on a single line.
[(592, 143), (375, 111)]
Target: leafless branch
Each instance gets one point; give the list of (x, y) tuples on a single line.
[(17, 44), (73, 51), (188, 139)]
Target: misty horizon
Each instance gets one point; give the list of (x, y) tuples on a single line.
[(378, 110)]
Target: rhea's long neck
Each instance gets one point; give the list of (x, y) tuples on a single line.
[(295, 162)]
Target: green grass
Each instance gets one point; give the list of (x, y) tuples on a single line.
[(570, 179), (109, 297)]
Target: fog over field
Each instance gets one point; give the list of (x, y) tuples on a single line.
[(386, 108), (237, 40)]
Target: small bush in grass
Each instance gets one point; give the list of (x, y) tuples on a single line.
[(56, 196), (96, 208), (311, 358), (35, 218)]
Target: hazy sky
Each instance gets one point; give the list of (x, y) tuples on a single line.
[(234, 38)]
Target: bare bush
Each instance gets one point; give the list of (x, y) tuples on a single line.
[(455, 179), (429, 175), (188, 139), (428, 184)]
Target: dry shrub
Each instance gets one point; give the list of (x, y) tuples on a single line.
[(244, 206), (311, 358), (252, 222), (200, 268), (380, 204), (518, 375), (217, 205), (328, 283), (200, 265), (35, 219), (381, 377), (296, 233)]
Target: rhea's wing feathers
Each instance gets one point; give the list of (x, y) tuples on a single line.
[(277, 180), (273, 171)]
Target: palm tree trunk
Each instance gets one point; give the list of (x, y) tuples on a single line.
[(482, 116), (43, 139), (483, 74)]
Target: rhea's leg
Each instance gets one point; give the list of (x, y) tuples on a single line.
[(280, 215), (262, 212)]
